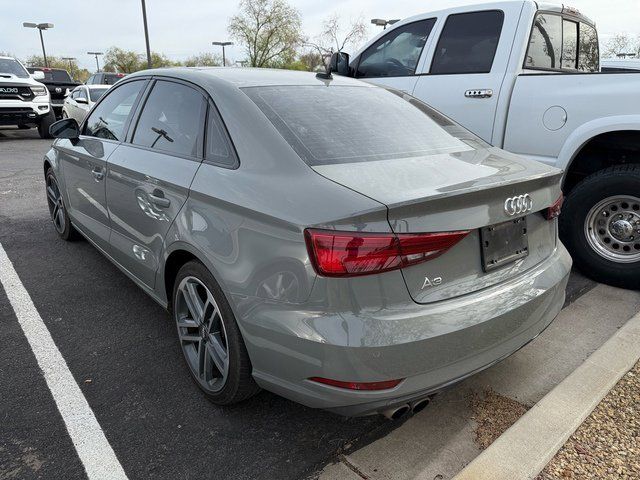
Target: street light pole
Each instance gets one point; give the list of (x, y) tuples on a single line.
[(96, 55), (381, 22), (146, 33), (223, 44), (40, 27), (69, 59)]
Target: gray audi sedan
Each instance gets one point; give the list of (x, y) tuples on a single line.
[(337, 243)]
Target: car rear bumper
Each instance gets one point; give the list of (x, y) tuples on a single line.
[(429, 346)]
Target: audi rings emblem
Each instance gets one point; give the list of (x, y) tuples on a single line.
[(518, 205)]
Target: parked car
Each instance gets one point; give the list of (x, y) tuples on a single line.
[(104, 78), (522, 76), (342, 245), (620, 65), (58, 82), (24, 101), (80, 100)]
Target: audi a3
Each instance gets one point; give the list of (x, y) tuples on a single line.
[(337, 243)]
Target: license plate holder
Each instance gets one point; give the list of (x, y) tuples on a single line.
[(504, 243)]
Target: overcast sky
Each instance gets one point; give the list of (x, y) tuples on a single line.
[(180, 28)]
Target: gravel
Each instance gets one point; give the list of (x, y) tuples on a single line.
[(493, 414), (607, 444)]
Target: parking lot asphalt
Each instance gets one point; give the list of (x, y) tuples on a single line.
[(122, 351)]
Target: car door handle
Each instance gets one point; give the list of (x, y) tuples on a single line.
[(98, 174), (479, 93), (159, 200)]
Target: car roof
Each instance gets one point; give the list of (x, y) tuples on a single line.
[(247, 77)]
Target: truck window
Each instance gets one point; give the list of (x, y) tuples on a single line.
[(569, 45), (468, 43), (397, 53), (545, 45), (589, 52)]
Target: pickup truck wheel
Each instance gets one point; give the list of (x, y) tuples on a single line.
[(600, 225), (45, 123)]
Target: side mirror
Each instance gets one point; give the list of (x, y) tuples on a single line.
[(65, 128), (38, 75), (67, 92), (339, 63), (81, 100)]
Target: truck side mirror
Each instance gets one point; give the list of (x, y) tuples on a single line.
[(339, 63), (65, 128), (38, 75)]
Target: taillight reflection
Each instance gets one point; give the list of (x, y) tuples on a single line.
[(345, 254), (554, 210)]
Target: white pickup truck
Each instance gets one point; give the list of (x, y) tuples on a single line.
[(525, 76)]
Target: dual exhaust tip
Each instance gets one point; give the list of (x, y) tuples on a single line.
[(399, 411)]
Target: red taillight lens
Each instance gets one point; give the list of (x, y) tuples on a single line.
[(384, 385), (345, 254), (554, 210)]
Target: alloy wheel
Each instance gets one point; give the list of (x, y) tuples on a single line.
[(56, 205), (202, 334), (612, 228)]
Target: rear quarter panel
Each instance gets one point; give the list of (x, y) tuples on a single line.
[(552, 115)]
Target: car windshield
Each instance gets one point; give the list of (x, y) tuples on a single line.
[(346, 124), (13, 67), (96, 93), (53, 75)]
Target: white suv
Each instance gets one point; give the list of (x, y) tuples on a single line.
[(24, 102)]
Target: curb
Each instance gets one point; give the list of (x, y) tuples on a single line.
[(528, 445)]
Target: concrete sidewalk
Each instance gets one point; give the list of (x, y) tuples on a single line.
[(440, 441)]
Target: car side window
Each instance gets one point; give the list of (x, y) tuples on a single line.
[(172, 120), (468, 43), (75, 92), (90, 80), (545, 45), (569, 45), (589, 51), (109, 118), (218, 150), (397, 53)]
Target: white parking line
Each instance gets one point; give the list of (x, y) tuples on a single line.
[(96, 454)]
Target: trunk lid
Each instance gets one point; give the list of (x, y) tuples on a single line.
[(458, 191)]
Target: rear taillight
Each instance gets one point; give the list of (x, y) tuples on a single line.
[(383, 385), (347, 254), (554, 210)]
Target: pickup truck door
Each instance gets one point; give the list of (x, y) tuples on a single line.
[(84, 162), (392, 60), (465, 68)]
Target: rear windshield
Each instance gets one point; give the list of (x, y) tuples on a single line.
[(111, 78), (345, 124), (12, 67), (53, 75), (96, 93)]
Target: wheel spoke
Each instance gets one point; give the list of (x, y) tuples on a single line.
[(60, 218), (194, 302), (218, 353), (186, 322), (202, 354), (52, 195)]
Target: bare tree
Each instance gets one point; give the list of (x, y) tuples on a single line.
[(621, 43), (335, 37), (270, 31)]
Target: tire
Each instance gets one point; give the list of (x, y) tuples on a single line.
[(45, 122), (600, 226), (58, 209), (208, 333)]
